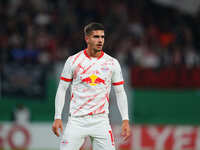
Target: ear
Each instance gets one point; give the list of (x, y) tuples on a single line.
[(86, 39)]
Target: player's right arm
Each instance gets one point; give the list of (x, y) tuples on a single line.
[(66, 78), (59, 104)]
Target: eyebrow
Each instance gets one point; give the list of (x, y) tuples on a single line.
[(99, 36)]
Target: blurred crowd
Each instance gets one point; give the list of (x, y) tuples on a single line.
[(138, 32)]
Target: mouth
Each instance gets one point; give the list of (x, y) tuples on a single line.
[(99, 45)]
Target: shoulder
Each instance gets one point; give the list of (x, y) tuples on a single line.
[(111, 59), (76, 55), (113, 62), (73, 58)]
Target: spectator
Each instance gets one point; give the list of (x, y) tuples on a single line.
[(21, 115)]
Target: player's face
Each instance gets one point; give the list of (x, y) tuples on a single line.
[(96, 40)]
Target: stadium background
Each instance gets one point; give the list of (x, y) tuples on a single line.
[(156, 42)]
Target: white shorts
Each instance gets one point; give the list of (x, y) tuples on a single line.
[(97, 127)]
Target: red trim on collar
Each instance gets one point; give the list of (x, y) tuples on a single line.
[(102, 53), (85, 52)]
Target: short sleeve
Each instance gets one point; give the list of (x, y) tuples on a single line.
[(66, 74), (117, 78)]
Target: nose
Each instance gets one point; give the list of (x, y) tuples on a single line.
[(101, 39)]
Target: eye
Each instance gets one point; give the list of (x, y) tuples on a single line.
[(96, 36)]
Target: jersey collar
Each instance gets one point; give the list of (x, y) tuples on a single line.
[(85, 52)]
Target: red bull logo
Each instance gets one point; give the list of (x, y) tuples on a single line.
[(93, 80)]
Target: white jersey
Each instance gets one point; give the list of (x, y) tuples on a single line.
[(91, 82)]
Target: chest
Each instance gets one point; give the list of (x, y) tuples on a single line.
[(92, 71)]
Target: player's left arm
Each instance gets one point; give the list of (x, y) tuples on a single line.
[(117, 82), (123, 108)]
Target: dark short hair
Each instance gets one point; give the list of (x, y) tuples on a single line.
[(92, 27)]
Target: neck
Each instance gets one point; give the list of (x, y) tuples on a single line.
[(93, 53)]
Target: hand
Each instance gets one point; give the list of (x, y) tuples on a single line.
[(126, 132), (56, 125)]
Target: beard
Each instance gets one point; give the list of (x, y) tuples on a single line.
[(99, 47), (97, 50)]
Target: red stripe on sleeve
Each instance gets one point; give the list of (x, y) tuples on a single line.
[(65, 79), (118, 83)]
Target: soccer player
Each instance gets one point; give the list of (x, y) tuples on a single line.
[(90, 74)]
